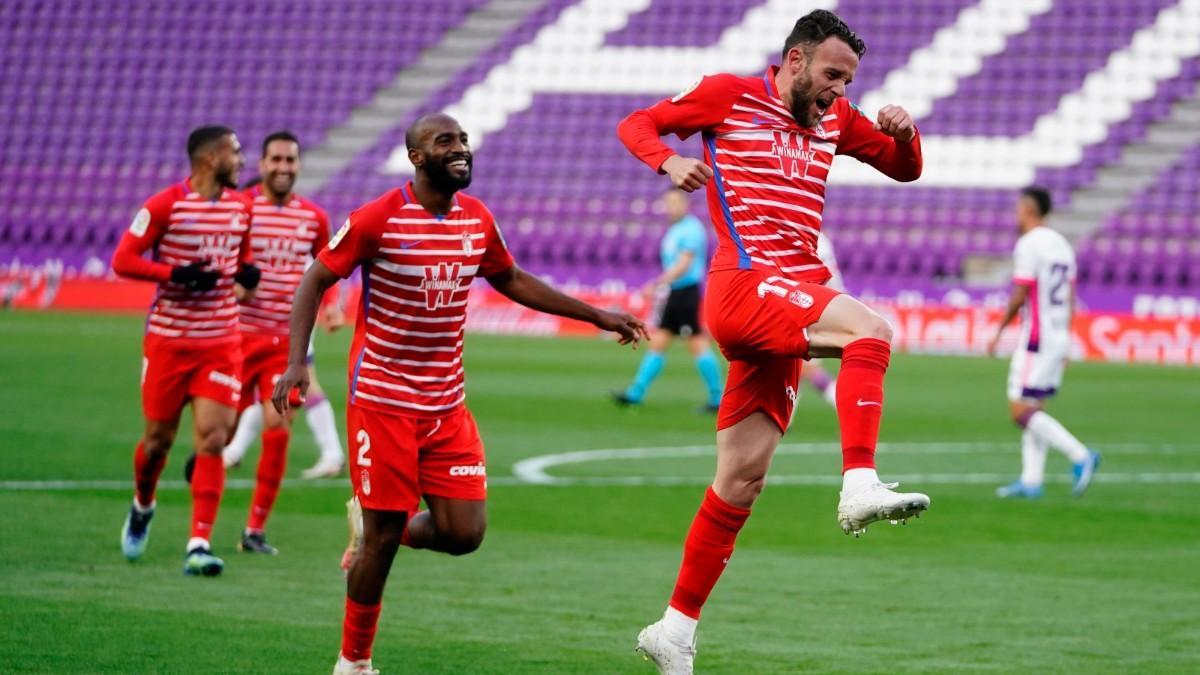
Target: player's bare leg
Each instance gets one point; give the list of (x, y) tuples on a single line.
[(318, 413), (364, 588), (744, 453), (454, 526), (862, 339), (706, 364), (272, 463), (212, 426), (149, 458), (648, 370)]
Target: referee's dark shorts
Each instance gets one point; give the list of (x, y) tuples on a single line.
[(680, 314)]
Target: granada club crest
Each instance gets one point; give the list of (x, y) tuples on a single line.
[(794, 152), (468, 244)]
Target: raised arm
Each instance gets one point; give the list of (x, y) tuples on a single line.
[(525, 289), (316, 281), (891, 143)]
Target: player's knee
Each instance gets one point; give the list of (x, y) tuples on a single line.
[(158, 442), (464, 540), (876, 327), (211, 441)]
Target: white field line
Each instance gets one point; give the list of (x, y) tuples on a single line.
[(533, 471)]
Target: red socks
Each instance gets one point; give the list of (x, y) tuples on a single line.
[(860, 400), (208, 479), (145, 474), (271, 466), (358, 630), (706, 551)]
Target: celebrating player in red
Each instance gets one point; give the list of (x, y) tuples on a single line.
[(769, 142), (286, 232), (411, 434), (197, 233)]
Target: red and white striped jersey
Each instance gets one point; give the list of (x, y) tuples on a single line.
[(180, 227), (406, 356), (767, 193), (284, 238)]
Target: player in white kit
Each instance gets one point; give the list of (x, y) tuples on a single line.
[(1044, 293)]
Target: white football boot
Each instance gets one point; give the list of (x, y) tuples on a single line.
[(345, 666), (878, 502), (671, 656), (331, 468)]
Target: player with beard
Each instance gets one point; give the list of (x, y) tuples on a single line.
[(196, 232), (769, 143), (411, 435), (286, 232)]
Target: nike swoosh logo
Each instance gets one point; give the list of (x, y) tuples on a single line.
[(863, 404), (409, 244)]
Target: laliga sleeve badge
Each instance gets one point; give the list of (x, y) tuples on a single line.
[(337, 238), (141, 223)]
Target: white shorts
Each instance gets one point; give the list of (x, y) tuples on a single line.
[(1035, 375)]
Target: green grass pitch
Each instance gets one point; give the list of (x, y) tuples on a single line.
[(569, 573)]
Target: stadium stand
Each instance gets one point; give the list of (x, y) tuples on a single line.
[(94, 111)]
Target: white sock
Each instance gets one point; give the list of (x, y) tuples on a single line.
[(143, 509), (831, 394), (1051, 432), (198, 542), (680, 627), (1033, 460), (249, 426), (855, 480), (324, 429)]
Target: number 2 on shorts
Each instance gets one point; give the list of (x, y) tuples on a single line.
[(364, 446)]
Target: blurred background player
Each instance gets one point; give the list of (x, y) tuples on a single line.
[(197, 231), (420, 246), (1044, 287), (684, 254), (769, 143), (318, 412), (286, 233)]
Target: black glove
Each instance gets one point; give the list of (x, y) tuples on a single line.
[(195, 277), (248, 277)]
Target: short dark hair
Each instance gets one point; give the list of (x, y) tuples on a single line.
[(1040, 197), (283, 135), (202, 137), (818, 25)]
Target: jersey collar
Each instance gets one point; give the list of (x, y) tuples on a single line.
[(769, 82), (410, 197)]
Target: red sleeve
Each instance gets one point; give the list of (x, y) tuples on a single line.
[(143, 234), (860, 140), (496, 257), (322, 231), (703, 106), (246, 253), (356, 242)]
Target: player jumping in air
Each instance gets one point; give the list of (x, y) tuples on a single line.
[(769, 142), (684, 253), (1044, 286), (411, 435), (197, 232)]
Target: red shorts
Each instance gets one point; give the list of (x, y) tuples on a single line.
[(395, 458), (264, 358), (760, 321), (174, 372)]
